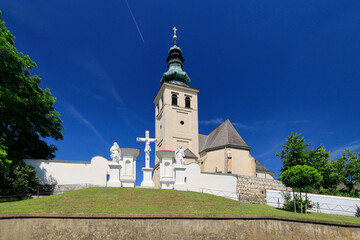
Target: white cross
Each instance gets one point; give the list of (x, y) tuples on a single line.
[(175, 30), (147, 149)]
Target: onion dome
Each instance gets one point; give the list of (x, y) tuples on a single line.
[(175, 60)]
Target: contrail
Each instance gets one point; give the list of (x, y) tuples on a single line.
[(132, 15)]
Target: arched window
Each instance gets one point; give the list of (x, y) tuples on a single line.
[(187, 102), (174, 100)]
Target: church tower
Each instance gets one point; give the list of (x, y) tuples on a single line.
[(176, 108)]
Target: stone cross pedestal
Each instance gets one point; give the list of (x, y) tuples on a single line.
[(180, 178), (147, 181), (147, 170)]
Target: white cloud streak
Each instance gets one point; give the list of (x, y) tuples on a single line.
[(86, 122), (132, 15), (299, 121), (212, 121), (353, 146), (221, 120), (24, 11), (270, 153), (116, 95), (91, 94), (92, 65)]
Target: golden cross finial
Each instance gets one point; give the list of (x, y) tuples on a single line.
[(175, 37)]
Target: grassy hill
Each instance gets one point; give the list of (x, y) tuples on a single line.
[(150, 201)]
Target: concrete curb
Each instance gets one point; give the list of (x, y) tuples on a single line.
[(174, 216)]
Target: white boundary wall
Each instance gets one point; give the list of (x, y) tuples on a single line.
[(322, 203), (223, 185), (54, 172)]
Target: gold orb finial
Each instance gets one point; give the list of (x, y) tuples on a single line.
[(175, 37)]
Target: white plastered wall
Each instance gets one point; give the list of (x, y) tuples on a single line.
[(264, 175), (321, 203), (213, 183), (55, 172), (242, 163)]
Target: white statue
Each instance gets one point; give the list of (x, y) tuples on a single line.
[(115, 153), (179, 156), (147, 149)]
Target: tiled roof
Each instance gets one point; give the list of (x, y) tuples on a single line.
[(262, 169), (225, 135), (189, 154)]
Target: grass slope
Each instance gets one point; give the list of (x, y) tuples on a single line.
[(147, 201)]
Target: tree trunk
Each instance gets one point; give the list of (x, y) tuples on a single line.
[(305, 202), (294, 201), (301, 208)]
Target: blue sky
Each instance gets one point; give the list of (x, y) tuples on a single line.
[(271, 67)]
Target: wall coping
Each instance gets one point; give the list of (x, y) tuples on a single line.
[(65, 161), (174, 216), (259, 179)]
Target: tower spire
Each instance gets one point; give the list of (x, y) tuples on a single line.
[(175, 60)]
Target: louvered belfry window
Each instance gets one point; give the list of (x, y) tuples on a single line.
[(174, 100)]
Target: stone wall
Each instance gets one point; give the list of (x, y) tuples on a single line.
[(132, 226), (59, 189), (253, 189)]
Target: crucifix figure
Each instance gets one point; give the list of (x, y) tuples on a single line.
[(147, 149), (175, 37)]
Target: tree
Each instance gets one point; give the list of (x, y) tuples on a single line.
[(300, 177), (348, 166), (294, 152), (27, 115), (319, 158), (4, 162)]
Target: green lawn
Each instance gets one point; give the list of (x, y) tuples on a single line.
[(148, 201)]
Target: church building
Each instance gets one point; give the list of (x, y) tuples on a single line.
[(176, 124)]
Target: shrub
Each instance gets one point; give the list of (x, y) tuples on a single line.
[(357, 213), (289, 203)]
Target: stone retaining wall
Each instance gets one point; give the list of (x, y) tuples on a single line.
[(132, 226), (253, 189)]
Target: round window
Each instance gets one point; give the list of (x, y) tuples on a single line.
[(182, 122)]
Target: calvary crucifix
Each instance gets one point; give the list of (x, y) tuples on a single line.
[(147, 149)]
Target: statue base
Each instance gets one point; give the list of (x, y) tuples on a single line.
[(180, 183), (147, 178), (128, 182), (167, 183), (114, 175)]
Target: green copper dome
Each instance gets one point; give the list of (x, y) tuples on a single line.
[(175, 73)]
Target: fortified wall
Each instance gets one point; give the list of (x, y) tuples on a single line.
[(253, 189)]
